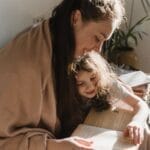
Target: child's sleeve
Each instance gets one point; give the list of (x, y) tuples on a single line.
[(119, 90)]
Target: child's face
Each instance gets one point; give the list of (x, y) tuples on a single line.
[(87, 83)]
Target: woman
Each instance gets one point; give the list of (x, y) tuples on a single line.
[(36, 100)]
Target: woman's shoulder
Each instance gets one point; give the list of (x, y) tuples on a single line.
[(31, 37), (29, 49), (32, 44)]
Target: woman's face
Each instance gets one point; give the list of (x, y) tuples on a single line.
[(90, 35), (87, 83)]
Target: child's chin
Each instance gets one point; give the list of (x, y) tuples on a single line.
[(91, 96)]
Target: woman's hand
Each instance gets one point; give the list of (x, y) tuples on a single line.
[(71, 143), (135, 131)]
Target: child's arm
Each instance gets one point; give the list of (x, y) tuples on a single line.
[(135, 129)]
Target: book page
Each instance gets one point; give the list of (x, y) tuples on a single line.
[(104, 139), (115, 120), (135, 78)]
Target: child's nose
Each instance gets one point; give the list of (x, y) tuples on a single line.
[(91, 86)]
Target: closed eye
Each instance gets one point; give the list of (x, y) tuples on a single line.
[(93, 78), (80, 83), (97, 39)]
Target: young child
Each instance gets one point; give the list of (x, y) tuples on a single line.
[(97, 84)]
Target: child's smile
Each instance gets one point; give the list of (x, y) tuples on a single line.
[(87, 83)]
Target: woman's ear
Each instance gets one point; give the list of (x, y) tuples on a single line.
[(76, 17)]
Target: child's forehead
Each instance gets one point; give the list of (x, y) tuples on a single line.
[(85, 73)]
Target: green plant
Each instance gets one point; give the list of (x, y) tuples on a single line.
[(127, 39)]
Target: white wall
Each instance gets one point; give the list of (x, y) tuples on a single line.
[(143, 48), (15, 15)]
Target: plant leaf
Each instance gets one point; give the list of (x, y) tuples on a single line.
[(134, 38), (140, 36), (139, 22)]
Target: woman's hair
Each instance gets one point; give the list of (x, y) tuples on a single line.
[(63, 44), (91, 62)]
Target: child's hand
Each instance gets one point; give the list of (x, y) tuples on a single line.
[(135, 132)]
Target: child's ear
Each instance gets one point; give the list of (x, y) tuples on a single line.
[(76, 18)]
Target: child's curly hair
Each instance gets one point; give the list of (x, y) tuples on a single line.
[(100, 102), (89, 62)]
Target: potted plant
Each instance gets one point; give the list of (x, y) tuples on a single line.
[(120, 48)]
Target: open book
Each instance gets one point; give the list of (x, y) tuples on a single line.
[(105, 130), (104, 139), (135, 78)]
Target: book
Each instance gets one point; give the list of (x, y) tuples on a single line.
[(135, 78), (116, 119), (104, 139), (105, 129)]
